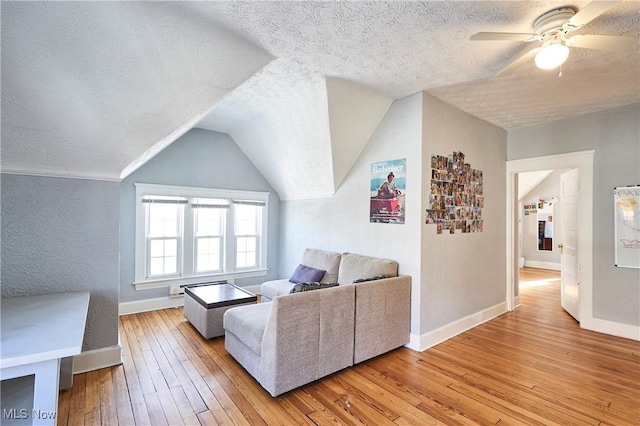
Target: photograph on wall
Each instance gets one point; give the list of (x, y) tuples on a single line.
[(627, 226), (532, 208), (456, 199), (387, 191)]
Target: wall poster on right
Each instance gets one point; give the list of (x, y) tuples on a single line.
[(627, 226)]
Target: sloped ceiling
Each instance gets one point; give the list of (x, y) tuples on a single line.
[(354, 114), (89, 87), (302, 131), (96, 88), (279, 119), (529, 180)]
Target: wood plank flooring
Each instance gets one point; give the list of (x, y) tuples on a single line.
[(533, 366)]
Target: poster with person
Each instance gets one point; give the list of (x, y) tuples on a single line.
[(627, 226), (387, 191)]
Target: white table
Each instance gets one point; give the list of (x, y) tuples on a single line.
[(37, 332)]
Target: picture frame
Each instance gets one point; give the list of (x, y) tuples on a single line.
[(626, 200), (387, 191)]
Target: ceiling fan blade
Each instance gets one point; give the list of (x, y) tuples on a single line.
[(504, 36), (589, 13), (602, 42), (518, 62)]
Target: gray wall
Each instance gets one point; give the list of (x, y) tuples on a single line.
[(615, 137), (200, 158), (464, 273), (61, 235)]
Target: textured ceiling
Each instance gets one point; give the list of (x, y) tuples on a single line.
[(279, 119), (401, 48), (88, 87), (95, 89)]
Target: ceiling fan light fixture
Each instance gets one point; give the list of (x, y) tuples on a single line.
[(552, 56)]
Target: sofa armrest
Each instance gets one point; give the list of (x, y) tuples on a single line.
[(382, 316), (307, 336)]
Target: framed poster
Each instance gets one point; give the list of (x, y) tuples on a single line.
[(387, 191), (627, 226)]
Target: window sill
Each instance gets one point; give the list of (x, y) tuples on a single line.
[(198, 279)]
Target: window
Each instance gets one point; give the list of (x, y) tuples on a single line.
[(164, 232), (187, 235), (247, 234), (209, 221)]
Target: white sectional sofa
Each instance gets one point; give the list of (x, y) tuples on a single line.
[(297, 338)]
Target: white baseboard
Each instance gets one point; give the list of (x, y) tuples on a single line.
[(542, 265), (516, 301), (613, 328), (448, 331), (414, 342), (146, 305), (97, 358)]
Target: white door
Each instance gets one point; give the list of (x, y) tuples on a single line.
[(569, 274)]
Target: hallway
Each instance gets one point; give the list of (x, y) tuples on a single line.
[(540, 297), (534, 277)]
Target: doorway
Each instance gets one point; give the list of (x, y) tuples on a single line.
[(539, 217), (583, 161)]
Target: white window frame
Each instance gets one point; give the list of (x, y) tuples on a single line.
[(257, 236), (179, 237), (221, 244), (187, 276)]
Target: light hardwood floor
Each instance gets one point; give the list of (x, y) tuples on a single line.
[(531, 366)]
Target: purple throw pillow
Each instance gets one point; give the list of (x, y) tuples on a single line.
[(306, 274)]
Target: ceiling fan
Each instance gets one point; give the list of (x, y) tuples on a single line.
[(552, 29)]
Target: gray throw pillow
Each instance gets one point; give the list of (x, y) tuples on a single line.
[(377, 277), (300, 287)]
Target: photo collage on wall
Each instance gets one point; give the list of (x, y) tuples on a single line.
[(532, 208), (456, 199)]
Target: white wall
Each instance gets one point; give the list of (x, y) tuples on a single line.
[(341, 223), (454, 277), (615, 136)]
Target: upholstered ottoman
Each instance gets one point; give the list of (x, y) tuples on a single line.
[(205, 304)]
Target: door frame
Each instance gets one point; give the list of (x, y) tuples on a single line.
[(583, 161)]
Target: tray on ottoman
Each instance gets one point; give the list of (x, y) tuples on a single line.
[(205, 304)]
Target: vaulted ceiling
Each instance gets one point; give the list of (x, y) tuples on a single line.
[(95, 89)]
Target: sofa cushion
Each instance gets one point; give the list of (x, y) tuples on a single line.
[(247, 323), (353, 267), (300, 287), (382, 317), (269, 290), (305, 274), (325, 260)]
